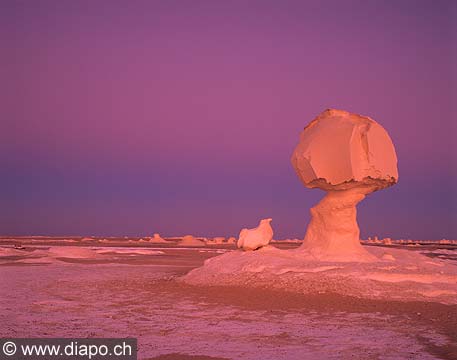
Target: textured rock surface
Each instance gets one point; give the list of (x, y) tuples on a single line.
[(396, 274), (253, 239), (338, 148)]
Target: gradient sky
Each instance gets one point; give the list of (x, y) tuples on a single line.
[(177, 117)]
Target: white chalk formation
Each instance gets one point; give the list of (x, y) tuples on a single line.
[(218, 240), (157, 239), (190, 240), (231, 240), (253, 239), (397, 274), (349, 156)]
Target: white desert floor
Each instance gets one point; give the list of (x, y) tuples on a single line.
[(132, 292)]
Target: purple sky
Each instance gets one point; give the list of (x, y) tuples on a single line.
[(134, 117)]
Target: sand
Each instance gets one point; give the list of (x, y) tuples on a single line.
[(138, 296)]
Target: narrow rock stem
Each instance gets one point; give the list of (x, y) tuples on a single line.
[(333, 232)]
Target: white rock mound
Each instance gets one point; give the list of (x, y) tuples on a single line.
[(396, 275), (231, 240), (349, 156), (190, 240), (157, 239), (253, 239), (219, 240)]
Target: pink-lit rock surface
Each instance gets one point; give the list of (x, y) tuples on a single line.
[(253, 239), (338, 148)]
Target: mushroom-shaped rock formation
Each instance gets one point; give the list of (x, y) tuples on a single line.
[(349, 156), (253, 239)]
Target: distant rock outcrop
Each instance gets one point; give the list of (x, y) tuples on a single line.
[(157, 239), (231, 240), (190, 240)]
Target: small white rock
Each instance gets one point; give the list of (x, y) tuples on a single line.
[(253, 239)]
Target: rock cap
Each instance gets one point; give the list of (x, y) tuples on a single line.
[(340, 150)]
